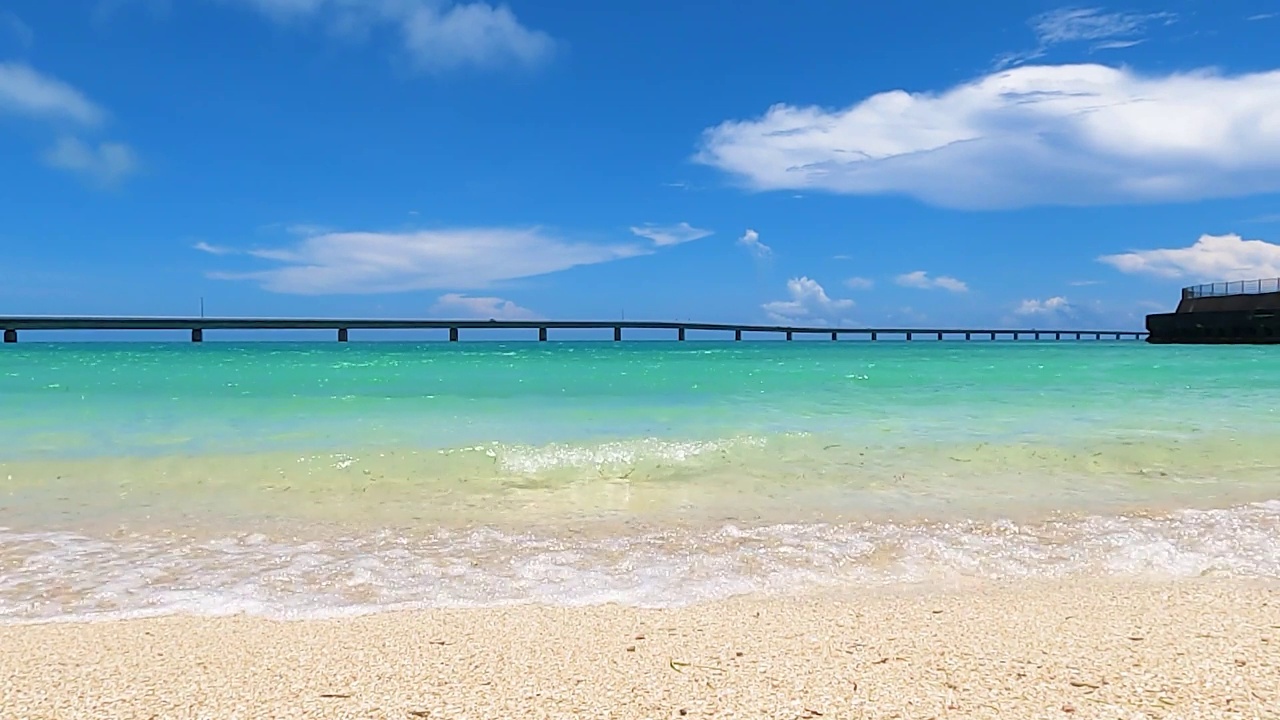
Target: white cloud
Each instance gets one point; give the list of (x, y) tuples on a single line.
[(1262, 16), (663, 235), (1084, 283), (808, 301), (1037, 135), (205, 247), (1051, 306), (751, 241), (920, 279), (437, 35), (454, 259), (25, 91), (1211, 258), (859, 283), (467, 306), (106, 162)]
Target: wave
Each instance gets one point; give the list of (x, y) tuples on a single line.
[(52, 576)]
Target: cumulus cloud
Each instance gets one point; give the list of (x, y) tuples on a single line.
[(807, 301), (1051, 306), (663, 235), (1210, 258), (25, 91), (437, 35), (859, 283), (920, 279), (454, 259), (1034, 135), (106, 162), (468, 306), (751, 241)]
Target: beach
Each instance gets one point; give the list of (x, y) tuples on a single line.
[(639, 529), (1037, 649)]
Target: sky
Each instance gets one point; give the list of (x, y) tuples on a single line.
[(1016, 164)]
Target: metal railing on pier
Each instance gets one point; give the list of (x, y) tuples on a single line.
[(1235, 287)]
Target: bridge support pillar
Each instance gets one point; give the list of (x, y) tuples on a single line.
[(737, 335), (11, 336), (197, 335), (453, 334), (939, 336), (342, 334), (874, 335), (1077, 336), (617, 334), (1117, 336), (680, 334), (968, 336), (1097, 336), (788, 336), (908, 336), (835, 336), (1057, 336), (993, 336), (542, 334)]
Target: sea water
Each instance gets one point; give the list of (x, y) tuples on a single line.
[(314, 479)]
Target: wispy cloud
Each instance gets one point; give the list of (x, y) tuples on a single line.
[(859, 283), (751, 241), (467, 306), (1106, 30), (806, 301), (13, 28), (452, 259), (1084, 283), (205, 247), (1072, 135), (1262, 16), (921, 280), (27, 92), (437, 35), (663, 235), (1210, 258), (106, 162)]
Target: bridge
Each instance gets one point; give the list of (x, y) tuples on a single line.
[(197, 325)]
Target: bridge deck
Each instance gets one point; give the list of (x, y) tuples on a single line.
[(197, 326)]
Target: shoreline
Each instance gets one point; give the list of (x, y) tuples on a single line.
[(1035, 648)]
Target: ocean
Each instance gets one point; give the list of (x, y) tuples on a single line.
[(299, 480)]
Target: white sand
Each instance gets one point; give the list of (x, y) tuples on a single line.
[(1195, 649)]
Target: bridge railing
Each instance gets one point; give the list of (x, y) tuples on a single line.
[(1236, 287)]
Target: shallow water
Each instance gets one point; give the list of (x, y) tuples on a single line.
[(313, 479)]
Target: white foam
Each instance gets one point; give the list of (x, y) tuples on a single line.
[(54, 576)]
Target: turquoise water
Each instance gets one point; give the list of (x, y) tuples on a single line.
[(259, 477)]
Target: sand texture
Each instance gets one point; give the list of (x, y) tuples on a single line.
[(1060, 649)]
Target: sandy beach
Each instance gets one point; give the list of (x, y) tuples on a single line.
[(1081, 649)]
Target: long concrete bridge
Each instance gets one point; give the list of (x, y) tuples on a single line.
[(197, 325)]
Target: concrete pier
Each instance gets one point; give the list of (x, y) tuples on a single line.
[(342, 334), (617, 334), (11, 336), (453, 334), (197, 335), (737, 335), (680, 334), (835, 336), (542, 334), (874, 335), (788, 335), (939, 336), (908, 336)]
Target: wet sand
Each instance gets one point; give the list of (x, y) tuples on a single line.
[(1204, 648)]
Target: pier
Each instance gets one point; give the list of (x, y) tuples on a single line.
[(342, 327), (1242, 312)]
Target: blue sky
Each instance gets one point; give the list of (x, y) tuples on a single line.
[(919, 163)]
